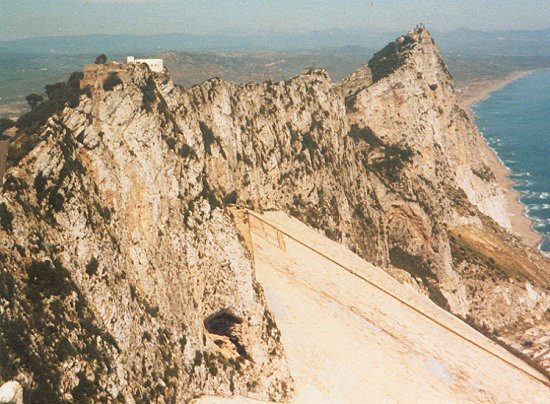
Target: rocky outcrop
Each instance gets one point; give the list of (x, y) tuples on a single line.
[(117, 259), (124, 276), (11, 393), (445, 211)]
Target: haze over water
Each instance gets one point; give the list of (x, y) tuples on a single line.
[(516, 123)]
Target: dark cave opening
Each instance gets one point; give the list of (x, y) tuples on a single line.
[(225, 323)]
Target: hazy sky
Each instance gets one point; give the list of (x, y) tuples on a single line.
[(29, 18)]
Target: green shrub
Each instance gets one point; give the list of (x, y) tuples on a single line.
[(133, 292), (418, 267), (149, 94), (207, 136), (210, 361), (414, 264), (111, 82), (230, 198), (359, 212), (85, 390), (485, 173), (59, 95), (34, 99), (308, 142), (40, 187), (14, 184), (392, 163), (197, 361), (56, 200), (152, 311), (101, 59), (64, 349), (386, 61), (171, 372), (183, 342), (186, 151), (20, 249), (6, 218), (104, 212), (46, 280), (92, 266), (171, 142), (209, 194)]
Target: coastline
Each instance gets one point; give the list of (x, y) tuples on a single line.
[(522, 225), (12, 110), (478, 91)]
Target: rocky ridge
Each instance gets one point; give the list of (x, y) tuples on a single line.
[(114, 234)]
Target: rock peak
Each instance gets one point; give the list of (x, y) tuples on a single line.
[(416, 43), (420, 34)]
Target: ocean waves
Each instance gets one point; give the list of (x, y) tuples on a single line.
[(516, 125)]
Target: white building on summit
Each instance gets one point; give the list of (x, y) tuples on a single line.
[(156, 65)]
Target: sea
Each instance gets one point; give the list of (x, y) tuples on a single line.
[(515, 121)]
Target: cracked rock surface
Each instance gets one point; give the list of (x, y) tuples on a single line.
[(123, 276)]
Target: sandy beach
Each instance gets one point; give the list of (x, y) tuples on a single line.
[(522, 225), (479, 90), (13, 110)]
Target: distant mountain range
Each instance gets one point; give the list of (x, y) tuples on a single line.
[(511, 43), (27, 65)]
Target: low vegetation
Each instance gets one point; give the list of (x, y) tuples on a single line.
[(92, 266), (476, 251), (485, 173), (59, 95), (365, 134), (101, 59), (309, 143), (386, 61), (386, 160), (6, 218), (111, 82), (42, 329), (419, 268), (208, 137), (149, 90)]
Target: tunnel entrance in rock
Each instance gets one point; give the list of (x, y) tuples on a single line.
[(227, 324)]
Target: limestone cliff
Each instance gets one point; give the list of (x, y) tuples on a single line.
[(123, 276)]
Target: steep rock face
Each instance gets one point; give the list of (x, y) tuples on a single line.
[(121, 267), (412, 101), (121, 277), (388, 172), (447, 189)]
